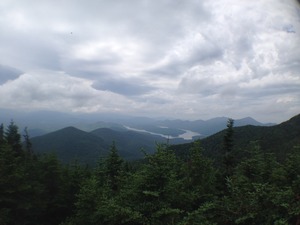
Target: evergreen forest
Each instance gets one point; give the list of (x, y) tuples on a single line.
[(163, 188)]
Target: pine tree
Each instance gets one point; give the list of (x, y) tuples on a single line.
[(99, 197), (113, 168), (13, 138), (28, 144), (16, 198), (52, 184), (2, 141), (200, 176), (227, 148), (157, 191), (257, 192)]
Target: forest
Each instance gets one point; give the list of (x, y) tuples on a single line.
[(163, 188)]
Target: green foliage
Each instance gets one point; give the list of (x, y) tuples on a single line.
[(11, 178), (33, 190), (2, 140), (159, 188), (28, 144), (199, 177), (228, 157), (13, 138), (204, 215), (113, 166), (228, 137), (258, 192), (162, 189)]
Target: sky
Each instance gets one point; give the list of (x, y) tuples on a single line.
[(169, 58)]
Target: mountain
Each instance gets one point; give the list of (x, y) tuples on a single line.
[(100, 124), (129, 143), (72, 143), (279, 139)]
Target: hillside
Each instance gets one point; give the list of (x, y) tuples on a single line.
[(71, 143), (279, 139), (129, 143)]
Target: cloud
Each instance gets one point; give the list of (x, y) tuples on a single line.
[(57, 91), (188, 59), (127, 87), (8, 73), (193, 50)]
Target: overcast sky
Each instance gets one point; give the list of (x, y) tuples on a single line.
[(186, 59)]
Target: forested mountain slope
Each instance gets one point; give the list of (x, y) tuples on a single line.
[(71, 143), (279, 139), (131, 143)]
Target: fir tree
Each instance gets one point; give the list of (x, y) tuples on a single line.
[(113, 168), (1, 134), (227, 148), (28, 144), (13, 138)]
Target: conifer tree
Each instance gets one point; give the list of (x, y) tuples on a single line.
[(28, 144), (13, 138), (257, 192), (200, 176), (1, 134), (227, 148), (113, 168), (15, 187)]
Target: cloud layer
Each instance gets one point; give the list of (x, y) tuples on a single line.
[(182, 59)]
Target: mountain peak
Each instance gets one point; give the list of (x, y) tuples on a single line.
[(70, 129), (247, 121)]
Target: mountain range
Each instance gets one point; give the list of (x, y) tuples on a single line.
[(131, 137), (43, 122), (86, 138), (279, 139), (72, 143)]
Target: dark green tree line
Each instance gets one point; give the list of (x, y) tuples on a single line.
[(162, 189), (33, 189)]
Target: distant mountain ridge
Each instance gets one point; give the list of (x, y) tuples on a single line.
[(42, 122), (205, 127)]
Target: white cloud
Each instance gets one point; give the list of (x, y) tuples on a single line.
[(58, 91), (179, 58)]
